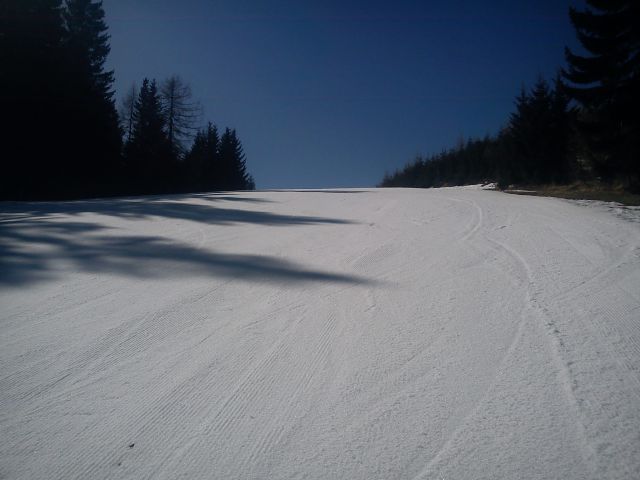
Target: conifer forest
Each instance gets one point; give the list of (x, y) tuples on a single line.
[(65, 136)]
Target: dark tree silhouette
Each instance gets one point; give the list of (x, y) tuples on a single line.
[(152, 162), (149, 160), (94, 152), (606, 83), (476, 161), (233, 163), (539, 132), (62, 136), (202, 161), (126, 112), (181, 113), (533, 148), (31, 98)]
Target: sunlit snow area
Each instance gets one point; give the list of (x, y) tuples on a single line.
[(452, 333)]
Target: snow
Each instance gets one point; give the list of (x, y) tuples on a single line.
[(453, 333)]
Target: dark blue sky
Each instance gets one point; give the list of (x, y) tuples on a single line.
[(335, 93)]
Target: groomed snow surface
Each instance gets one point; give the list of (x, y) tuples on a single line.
[(361, 334)]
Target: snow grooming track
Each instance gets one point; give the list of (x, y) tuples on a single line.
[(479, 335), (523, 279), (627, 412)]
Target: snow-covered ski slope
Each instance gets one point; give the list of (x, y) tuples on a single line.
[(362, 334)]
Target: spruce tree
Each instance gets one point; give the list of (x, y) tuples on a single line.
[(150, 163), (233, 163), (88, 41), (211, 167), (93, 120), (227, 163), (194, 161), (127, 107), (538, 131), (202, 169), (606, 83), (31, 81), (519, 139)]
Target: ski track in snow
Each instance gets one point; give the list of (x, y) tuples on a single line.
[(451, 333)]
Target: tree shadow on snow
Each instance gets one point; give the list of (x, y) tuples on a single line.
[(228, 197), (309, 190), (173, 207), (40, 241)]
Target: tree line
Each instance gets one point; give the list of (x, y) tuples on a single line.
[(159, 122), (582, 126), (62, 136)]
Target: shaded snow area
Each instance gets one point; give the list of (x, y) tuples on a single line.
[(362, 334)]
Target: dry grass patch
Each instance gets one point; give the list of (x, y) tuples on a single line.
[(579, 191)]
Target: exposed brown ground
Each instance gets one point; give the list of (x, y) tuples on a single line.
[(579, 191)]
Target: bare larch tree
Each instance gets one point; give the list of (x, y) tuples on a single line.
[(181, 112)]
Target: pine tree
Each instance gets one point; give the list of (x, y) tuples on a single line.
[(233, 163), (127, 109), (538, 131), (148, 154), (194, 161), (562, 165), (519, 138), (211, 168), (89, 42), (202, 162), (606, 83), (93, 120), (31, 79)]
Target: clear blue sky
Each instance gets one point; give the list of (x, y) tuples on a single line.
[(335, 93)]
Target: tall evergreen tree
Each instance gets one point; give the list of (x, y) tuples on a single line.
[(606, 83), (89, 44), (93, 120), (233, 163), (211, 166), (31, 82), (150, 163), (538, 130), (202, 164), (194, 164), (127, 109)]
